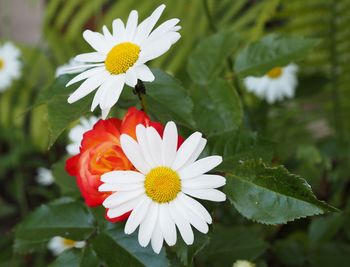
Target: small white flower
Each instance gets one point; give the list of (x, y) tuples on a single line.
[(10, 65), (160, 191), (76, 134), (277, 84), (120, 57), (243, 263), (59, 244), (67, 68), (44, 177)]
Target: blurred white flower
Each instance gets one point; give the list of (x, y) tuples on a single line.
[(10, 65), (76, 134), (44, 176), (59, 244), (68, 68), (277, 84), (121, 57), (243, 263)]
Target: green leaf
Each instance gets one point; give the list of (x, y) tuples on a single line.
[(69, 258), (64, 218), (330, 254), (118, 249), (66, 183), (239, 145), (208, 58), (273, 50), (228, 244), (272, 195), (217, 107), (167, 100)]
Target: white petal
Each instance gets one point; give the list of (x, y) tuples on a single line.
[(96, 41), (148, 224), (131, 25), (146, 26), (207, 194), (119, 198), (105, 113), (120, 187), (118, 29), (161, 30), (107, 34), (111, 95), (154, 145), (192, 217), (199, 167), (186, 150), (143, 143), (169, 144), (182, 224), (90, 57), (144, 73), (133, 152), (88, 86), (154, 50), (205, 181), (157, 238), (131, 77), (123, 208), (199, 149), (195, 206), (86, 74), (167, 225), (137, 215), (118, 177), (101, 92)]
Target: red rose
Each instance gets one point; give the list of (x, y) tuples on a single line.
[(100, 152)]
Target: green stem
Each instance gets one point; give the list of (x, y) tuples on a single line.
[(140, 91), (209, 16)]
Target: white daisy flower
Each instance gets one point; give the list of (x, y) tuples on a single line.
[(120, 57), (243, 263), (59, 244), (160, 191), (44, 176), (10, 65), (67, 68), (277, 84), (76, 134)]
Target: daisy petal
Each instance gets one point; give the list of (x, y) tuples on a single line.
[(154, 144), (105, 113), (199, 167), (182, 224), (199, 149), (205, 181), (123, 208), (154, 50), (206, 194), (137, 215), (119, 177), (144, 73), (186, 150), (131, 77), (157, 238), (133, 152), (86, 74), (195, 206), (119, 198), (120, 187), (88, 86), (107, 34), (192, 217), (167, 225), (131, 25), (161, 30), (112, 94), (96, 41), (169, 144), (148, 224), (101, 92), (143, 143), (118, 30), (90, 57)]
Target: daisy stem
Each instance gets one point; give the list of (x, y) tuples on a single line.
[(140, 90)]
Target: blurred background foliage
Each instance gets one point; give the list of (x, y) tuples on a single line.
[(309, 134)]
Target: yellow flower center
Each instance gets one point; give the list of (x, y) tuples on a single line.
[(122, 57), (2, 63), (162, 184), (68, 242), (275, 73)]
